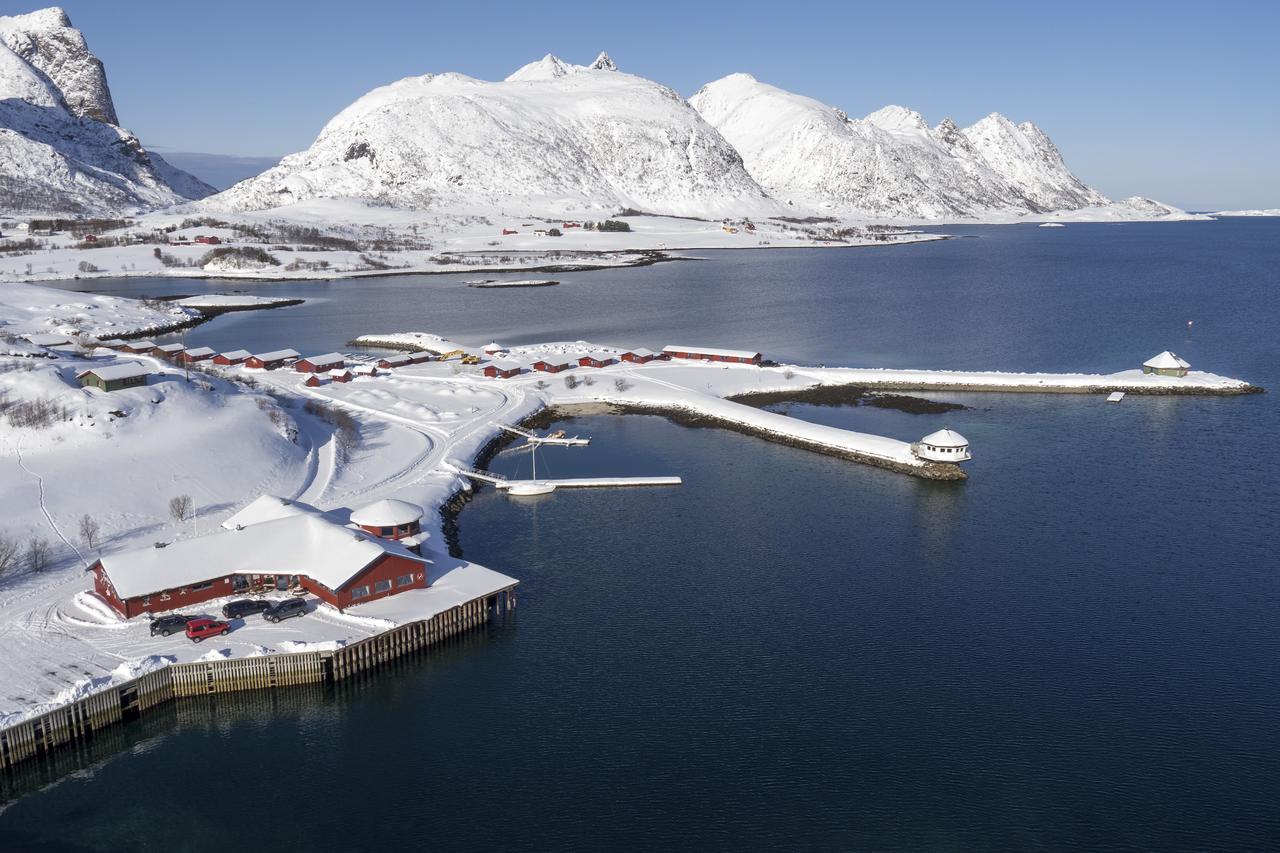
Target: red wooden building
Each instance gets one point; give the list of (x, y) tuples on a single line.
[(320, 363), (139, 347), (342, 375), (639, 356), (391, 361), (208, 240), (271, 360), (340, 565), (238, 356), (502, 370), (420, 357), (191, 356), (733, 356), (552, 365), (313, 381), (169, 351), (389, 519), (597, 359)]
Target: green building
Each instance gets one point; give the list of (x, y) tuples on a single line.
[(115, 377)]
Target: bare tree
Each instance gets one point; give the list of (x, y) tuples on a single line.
[(180, 507), (8, 554), (37, 555), (89, 531), (621, 384), (571, 382)]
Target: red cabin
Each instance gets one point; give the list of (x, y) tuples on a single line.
[(551, 365), (192, 356), (597, 359), (320, 363), (502, 370), (271, 360), (395, 361), (239, 356), (639, 356), (139, 347), (507, 232), (208, 240), (313, 381), (342, 375)]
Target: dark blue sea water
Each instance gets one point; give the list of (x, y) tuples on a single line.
[(1077, 648)]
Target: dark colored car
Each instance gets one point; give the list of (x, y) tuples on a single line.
[(244, 607), (170, 624), (198, 629), (285, 609)]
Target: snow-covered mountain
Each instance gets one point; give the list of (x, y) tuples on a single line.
[(891, 164), (552, 138), (60, 148)]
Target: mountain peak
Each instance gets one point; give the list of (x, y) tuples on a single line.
[(894, 118), (549, 67), (49, 43), (603, 62)]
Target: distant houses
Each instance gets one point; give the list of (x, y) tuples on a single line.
[(639, 356), (552, 364), (596, 359), (142, 347), (198, 354), (503, 369), (392, 361), (115, 377)]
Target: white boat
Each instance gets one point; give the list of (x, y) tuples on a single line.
[(1052, 225), (528, 488), (533, 486)]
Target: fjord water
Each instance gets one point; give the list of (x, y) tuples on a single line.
[(1076, 648)]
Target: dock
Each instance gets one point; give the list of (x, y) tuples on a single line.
[(501, 482)]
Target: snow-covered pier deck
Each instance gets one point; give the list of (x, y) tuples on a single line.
[(1129, 381), (601, 482)]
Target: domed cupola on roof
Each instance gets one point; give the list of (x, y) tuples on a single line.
[(945, 445), (389, 518)]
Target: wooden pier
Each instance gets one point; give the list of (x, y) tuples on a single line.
[(87, 718)]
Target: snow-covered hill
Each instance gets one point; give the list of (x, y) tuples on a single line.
[(552, 138), (60, 149), (891, 164)]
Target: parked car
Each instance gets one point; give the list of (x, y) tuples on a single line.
[(285, 609), (244, 607), (169, 624), (198, 629)]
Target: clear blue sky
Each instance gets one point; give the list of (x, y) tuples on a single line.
[(1176, 100)]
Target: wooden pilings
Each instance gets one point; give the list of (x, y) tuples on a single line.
[(81, 719)]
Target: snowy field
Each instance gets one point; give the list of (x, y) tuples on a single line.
[(363, 240)]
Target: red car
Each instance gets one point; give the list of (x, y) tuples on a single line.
[(198, 629)]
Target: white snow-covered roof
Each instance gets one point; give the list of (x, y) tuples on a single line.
[(171, 348), (267, 508), (365, 369), (506, 364), (642, 352), (143, 344), (342, 371), (298, 545), (397, 359), (945, 438), (601, 356), (1165, 361), (387, 512), (552, 358), (726, 353), (112, 342), (327, 358), (277, 355), (117, 371), (493, 346), (48, 340), (201, 352), (237, 355)]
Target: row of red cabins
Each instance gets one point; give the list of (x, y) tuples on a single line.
[(503, 369), (326, 363)]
